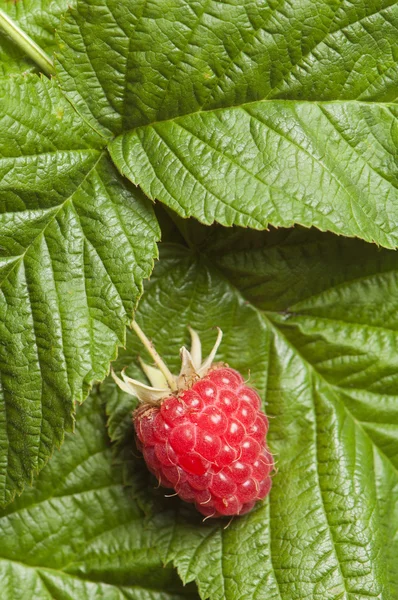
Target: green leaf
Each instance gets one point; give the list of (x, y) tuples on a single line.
[(246, 113), (67, 290), (38, 19), (326, 366), (274, 162), (79, 535), (172, 57)]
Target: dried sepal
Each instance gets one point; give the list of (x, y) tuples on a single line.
[(196, 348), (192, 369), (155, 375), (206, 365), (145, 393), (188, 374)]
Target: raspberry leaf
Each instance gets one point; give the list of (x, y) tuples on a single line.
[(67, 291), (282, 157), (78, 534), (270, 109), (246, 113), (326, 368)]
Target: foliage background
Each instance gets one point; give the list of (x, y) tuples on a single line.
[(250, 114)]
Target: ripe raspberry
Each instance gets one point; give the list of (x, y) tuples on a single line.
[(203, 433)]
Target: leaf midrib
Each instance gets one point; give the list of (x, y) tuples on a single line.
[(113, 136), (379, 103), (15, 159)]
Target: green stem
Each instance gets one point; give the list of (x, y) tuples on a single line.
[(155, 356), (26, 44)]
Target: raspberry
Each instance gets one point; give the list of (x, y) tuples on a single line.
[(203, 433)]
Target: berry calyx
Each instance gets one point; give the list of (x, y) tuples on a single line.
[(202, 433)]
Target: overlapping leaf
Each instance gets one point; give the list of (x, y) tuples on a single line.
[(289, 107), (67, 287), (79, 535), (274, 162), (326, 367)]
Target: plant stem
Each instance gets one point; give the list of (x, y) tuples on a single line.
[(26, 44), (155, 356)]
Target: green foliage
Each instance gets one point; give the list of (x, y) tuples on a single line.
[(167, 58), (241, 155), (278, 162), (79, 535), (326, 366), (67, 290), (250, 113)]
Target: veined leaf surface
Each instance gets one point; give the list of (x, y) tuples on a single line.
[(249, 113), (78, 534), (326, 366), (67, 288)]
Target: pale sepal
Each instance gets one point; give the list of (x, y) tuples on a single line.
[(155, 375), (188, 373), (123, 386), (144, 393), (210, 359), (196, 349)]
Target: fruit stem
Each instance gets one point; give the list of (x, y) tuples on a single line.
[(155, 357), (26, 44)]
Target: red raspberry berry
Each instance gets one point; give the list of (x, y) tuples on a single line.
[(206, 438)]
